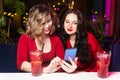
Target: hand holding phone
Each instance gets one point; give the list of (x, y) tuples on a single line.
[(70, 52)]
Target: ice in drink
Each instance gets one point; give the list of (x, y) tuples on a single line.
[(36, 63), (103, 65)]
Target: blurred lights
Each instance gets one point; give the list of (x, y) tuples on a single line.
[(57, 9), (58, 3), (56, 6), (5, 13), (15, 13), (26, 13), (24, 17), (9, 14), (104, 16), (53, 6), (63, 0), (93, 20), (24, 21), (96, 12), (71, 5), (12, 15)]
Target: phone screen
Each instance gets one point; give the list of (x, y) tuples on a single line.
[(70, 52)]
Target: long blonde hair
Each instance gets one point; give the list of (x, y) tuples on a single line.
[(37, 15)]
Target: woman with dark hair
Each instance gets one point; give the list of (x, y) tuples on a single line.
[(74, 35)]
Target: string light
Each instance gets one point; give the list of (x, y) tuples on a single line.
[(71, 5), (96, 12), (57, 9), (12, 15), (9, 14), (63, 0), (53, 6), (5, 13), (58, 3), (26, 13)]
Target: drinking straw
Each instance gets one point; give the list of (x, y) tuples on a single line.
[(108, 57), (42, 47), (39, 65)]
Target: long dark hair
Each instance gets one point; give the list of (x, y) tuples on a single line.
[(83, 52)]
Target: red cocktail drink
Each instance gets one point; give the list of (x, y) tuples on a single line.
[(102, 65), (36, 62)]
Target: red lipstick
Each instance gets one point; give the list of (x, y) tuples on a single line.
[(69, 29)]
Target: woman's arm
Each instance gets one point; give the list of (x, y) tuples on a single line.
[(26, 66), (52, 67), (23, 54)]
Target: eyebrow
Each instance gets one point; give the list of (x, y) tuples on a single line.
[(69, 20)]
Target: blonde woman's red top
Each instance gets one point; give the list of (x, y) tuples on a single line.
[(26, 44)]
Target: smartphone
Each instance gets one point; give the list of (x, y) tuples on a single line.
[(70, 52)]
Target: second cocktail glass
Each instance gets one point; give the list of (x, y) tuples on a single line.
[(103, 64)]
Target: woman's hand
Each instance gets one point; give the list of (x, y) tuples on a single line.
[(54, 65), (69, 68)]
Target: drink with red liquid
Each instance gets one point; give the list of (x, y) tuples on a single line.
[(103, 64), (36, 62)]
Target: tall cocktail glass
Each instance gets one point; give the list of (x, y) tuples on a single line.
[(36, 58), (103, 64)]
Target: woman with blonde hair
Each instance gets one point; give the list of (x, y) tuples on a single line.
[(39, 31)]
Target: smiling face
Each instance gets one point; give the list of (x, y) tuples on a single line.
[(40, 21), (70, 24), (47, 24)]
